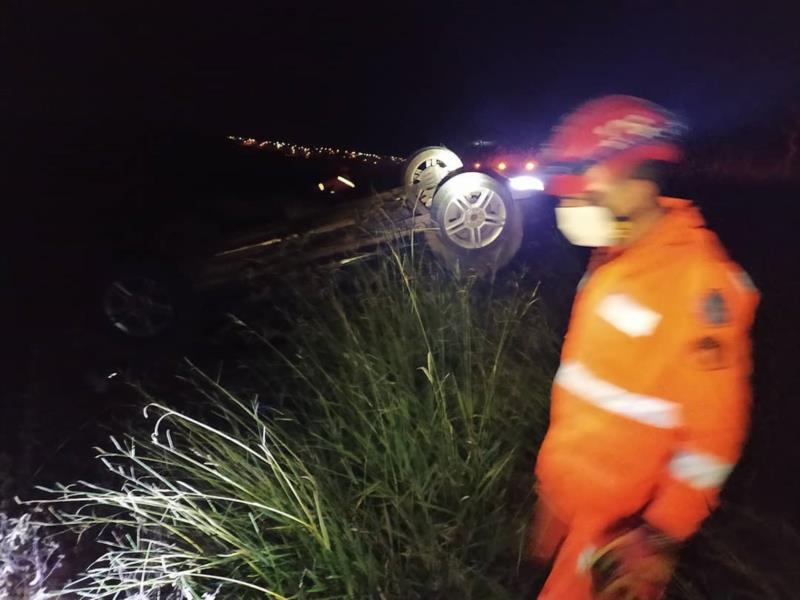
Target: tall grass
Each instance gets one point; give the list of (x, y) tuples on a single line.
[(382, 448)]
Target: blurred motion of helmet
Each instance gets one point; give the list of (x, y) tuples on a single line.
[(619, 131)]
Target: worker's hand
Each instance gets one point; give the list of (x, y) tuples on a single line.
[(634, 565)]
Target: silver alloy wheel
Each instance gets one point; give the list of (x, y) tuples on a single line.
[(473, 215), (425, 169), (139, 306)]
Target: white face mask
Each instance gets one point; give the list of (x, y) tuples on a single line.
[(593, 226)]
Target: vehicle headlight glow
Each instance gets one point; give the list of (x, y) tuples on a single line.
[(526, 183)]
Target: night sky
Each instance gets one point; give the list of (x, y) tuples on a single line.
[(387, 76)]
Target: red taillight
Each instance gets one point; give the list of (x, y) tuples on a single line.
[(501, 166)]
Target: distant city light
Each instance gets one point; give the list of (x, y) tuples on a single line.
[(477, 165), (316, 152), (502, 166), (526, 183), (530, 165)]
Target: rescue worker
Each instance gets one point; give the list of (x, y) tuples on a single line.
[(650, 404)]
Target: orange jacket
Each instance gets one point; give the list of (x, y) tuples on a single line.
[(650, 405)]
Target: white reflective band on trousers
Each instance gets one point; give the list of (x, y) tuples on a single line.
[(700, 471), (575, 378)]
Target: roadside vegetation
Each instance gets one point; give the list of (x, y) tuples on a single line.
[(379, 446), (375, 441)]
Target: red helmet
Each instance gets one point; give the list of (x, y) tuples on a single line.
[(617, 130)]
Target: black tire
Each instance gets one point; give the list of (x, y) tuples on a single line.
[(172, 311), (502, 244)]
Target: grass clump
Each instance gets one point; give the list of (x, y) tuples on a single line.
[(382, 448)]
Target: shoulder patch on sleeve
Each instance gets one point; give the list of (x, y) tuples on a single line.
[(709, 354), (713, 309)]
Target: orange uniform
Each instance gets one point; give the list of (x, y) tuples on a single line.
[(650, 405)]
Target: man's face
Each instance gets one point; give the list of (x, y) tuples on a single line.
[(622, 196)]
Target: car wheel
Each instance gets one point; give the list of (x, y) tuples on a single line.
[(425, 169), (144, 303), (478, 225)]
